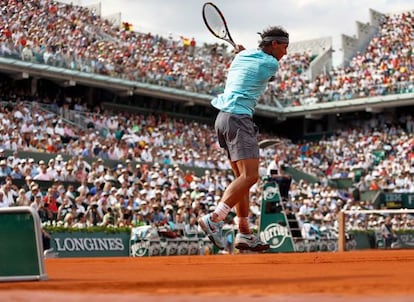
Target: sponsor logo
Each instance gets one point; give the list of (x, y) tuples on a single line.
[(410, 199), (171, 248), (407, 239), (275, 235), (193, 248), (154, 249), (88, 244), (140, 249), (270, 192)]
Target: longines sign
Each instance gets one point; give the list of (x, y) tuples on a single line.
[(90, 244)]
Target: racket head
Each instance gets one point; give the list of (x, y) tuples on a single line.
[(216, 23)]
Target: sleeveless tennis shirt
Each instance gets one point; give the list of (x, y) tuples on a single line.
[(247, 80)]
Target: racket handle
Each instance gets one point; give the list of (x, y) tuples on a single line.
[(239, 48)]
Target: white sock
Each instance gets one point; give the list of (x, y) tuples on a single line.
[(220, 212)]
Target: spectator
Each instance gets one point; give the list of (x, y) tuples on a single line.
[(80, 221), (388, 233), (94, 218), (5, 170), (109, 217)]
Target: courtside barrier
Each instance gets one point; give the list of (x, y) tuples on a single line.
[(82, 243), (21, 247), (145, 242)]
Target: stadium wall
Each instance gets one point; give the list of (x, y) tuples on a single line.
[(365, 31)]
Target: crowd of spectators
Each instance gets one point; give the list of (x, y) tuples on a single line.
[(149, 185), (385, 67), (146, 189), (134, 137), (71, 36)]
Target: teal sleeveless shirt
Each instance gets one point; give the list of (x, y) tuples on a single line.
[(247, 80)]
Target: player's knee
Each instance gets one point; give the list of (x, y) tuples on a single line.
[(251, 179)]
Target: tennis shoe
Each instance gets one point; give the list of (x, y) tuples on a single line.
[(250, 242), (213, 230)]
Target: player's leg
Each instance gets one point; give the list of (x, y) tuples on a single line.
[(242, 207), (246, 173), (245, 240), (237, 134), (236, 194)]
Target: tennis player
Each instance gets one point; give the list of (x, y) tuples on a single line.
[(247, 79)]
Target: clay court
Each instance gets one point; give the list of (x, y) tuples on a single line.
[(350, 276)]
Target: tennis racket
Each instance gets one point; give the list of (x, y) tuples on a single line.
[(269, 143), (216, 23)]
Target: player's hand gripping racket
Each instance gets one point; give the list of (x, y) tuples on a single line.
[(216, 23)]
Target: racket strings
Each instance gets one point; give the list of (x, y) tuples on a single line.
[(215, 22)]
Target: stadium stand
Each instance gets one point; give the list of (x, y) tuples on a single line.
[(96, 46), (68, 157)]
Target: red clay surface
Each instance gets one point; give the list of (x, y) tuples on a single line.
[(350, 276)]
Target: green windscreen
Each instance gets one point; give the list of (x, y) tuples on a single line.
[(18, 251)]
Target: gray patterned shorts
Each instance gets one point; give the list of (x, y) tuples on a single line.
[(237, 134)]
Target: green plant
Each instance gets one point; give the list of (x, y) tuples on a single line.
[(94, 229)]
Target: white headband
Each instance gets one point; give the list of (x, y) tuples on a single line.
[(280, 39)]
